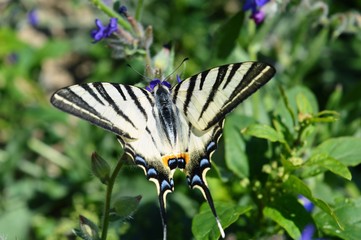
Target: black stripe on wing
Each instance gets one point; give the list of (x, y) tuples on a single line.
[(192, 84), (136, 101), (88, 89), (256, 76), (222, 71), (108, 98), (70, 102), (231, 74), (74, 98), (117, 86)]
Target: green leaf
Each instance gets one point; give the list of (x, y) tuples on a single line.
[(346, 150), (320, 161), (289, 213), (227, 35), (326, 116), (124, 207), (287, 224), (303, 104), (204, 225), (315, 48), (334, 100), (55, 48), (19, 214), (264, 131), (13, 44), (349, 213), (288, 107), (297, 186), (235, 157)]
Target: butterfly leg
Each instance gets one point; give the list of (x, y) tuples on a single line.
[(160, 176), (196, 178)]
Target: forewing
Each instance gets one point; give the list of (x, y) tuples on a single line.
[(207, 97), (121, 109)]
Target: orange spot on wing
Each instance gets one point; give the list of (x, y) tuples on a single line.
[(184, 156)]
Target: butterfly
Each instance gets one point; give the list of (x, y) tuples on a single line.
[(165, 128)]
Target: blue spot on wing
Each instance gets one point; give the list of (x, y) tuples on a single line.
[(204, 163), (172, 182), (165, 186), (211, 146), (196, 180), (152, 173), (140, 161)]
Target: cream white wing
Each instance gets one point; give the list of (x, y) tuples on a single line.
[(207, 97), (121, 109)]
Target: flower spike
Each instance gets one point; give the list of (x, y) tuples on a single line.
[(104, 31)]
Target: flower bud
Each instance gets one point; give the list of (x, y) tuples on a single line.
[(100, 168)]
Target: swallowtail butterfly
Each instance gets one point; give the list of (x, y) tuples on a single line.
[(166, 128)]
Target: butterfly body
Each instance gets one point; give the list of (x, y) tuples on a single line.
[(164, 129)]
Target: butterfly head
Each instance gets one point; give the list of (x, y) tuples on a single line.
[(156, 82)]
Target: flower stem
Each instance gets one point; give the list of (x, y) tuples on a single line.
[(105, 219), (111, 13), (138, 11)]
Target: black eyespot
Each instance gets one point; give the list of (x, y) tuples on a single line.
[(181, 163), (172, 163)]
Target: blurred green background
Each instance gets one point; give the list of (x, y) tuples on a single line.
[(45, 177)]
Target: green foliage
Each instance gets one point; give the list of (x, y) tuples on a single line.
[(348, 211), (204, 226), (299, 135)]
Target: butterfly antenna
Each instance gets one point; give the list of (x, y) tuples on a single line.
[(140, 74), (176, 69)]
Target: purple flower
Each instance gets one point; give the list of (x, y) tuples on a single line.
[(104, 31), (167, 84), (178, 78), (255, 5), (33, 19), (123, 10), (308, 232), (112, 26), (307, 204), (155, 82), (258, 17)]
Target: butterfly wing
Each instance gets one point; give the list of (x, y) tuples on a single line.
[(207, 97), (128, 112), (202, 144), (121, 109)]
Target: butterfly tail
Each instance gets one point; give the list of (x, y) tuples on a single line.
[(164, 186), (162, 206), (196, 179), (158, 174), (209, 199)]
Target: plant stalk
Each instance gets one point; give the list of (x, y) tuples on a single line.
[(105, 219)]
